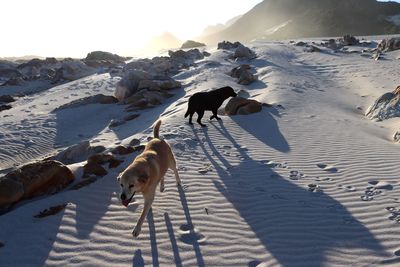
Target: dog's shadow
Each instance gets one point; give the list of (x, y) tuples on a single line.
[(289, 219)]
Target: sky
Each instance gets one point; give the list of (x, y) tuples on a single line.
[(73, 28)]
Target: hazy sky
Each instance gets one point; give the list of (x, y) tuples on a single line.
[(76, 27)]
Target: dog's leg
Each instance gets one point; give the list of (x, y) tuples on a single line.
[(215, 115), (201, 114), (148, 200), (172, 166), (190, 118)]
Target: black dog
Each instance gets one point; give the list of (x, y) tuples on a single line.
[(199, 102)]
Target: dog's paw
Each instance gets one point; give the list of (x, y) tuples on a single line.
[(218, 118), (136, 231)]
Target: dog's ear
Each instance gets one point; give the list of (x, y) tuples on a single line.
[(143, 178)]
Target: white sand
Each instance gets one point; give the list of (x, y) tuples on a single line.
[(246, 199)]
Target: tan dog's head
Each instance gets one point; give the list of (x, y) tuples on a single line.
[(131, 182)]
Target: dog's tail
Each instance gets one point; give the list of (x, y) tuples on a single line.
[(156, 130), (187, 113)]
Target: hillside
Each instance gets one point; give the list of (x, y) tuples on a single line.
[(283, 19)]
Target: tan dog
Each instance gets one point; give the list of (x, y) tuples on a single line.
[(146, 171)]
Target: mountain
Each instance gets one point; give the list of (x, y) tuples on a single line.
[(283, 19), (219, 27), (164, 41)]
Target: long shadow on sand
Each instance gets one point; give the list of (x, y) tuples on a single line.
[(298, 227), (264, 127)]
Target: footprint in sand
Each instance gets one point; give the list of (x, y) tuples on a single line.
[(205, 169), (296, 175), (375, 189), (327, 168), (395, 214), (191, 235), (314, 188), (397, 253)]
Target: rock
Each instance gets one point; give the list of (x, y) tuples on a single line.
[(128, 85), (226, 45), (191, 44), (75, 153), (17, 81), (95, 162), (388, 45), (73, 70), (243, 52), (34, 179), (9, 70), (311, 49), (252, 107), (385, 107), (11, 191), (190, 55), (300, 43), (92, 168), (134, 142), (245, 77), (101, 55), (6, 99), (121, 150), (144, 98), (242, 106), (95, 99), (349, 40), (5, 107), (396, 137)]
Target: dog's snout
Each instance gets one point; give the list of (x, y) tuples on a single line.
[(123, 196)]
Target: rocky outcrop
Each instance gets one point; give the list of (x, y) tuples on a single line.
[(136, 81), (32, 180), (73, 70), (242, 106), (6, 99), (385, 107), (15, 81), (95, 162), (388, 45), (243, 74), (8, 70), (95, 99), (226, 45), (98, 59), (191, 44), (5, 107), (349, 40), (396, 137), (101, 55), (243, 52), (185, 56)]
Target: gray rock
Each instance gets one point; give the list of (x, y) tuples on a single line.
[(385, 107), (226, 45), (191, 44), (6, 99), (243, 52), (388, 45), (242, 72)]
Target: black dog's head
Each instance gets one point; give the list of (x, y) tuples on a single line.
[(228, 92)]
